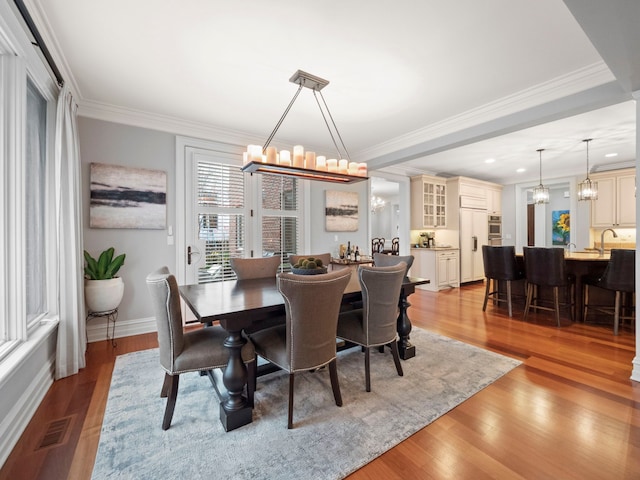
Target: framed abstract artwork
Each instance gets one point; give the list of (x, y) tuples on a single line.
[(341, 211), (125, 197)]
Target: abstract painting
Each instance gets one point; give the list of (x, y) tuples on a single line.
[(560, 226), (125, 197), (341, 211)]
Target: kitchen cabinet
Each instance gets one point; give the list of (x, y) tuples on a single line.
[(473, 234), (428, 202), (439, 265), (616, 203), (494, 201)]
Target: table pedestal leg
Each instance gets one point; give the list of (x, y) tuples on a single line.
[(234, 410), (407, 350)]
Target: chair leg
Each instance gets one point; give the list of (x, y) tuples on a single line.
[(529, 299), (290, 417), (335, 385), (252, 375), (171, 402), (556, 304), (165, 386), (510, 307), (486, 294), (616, 314), (585, 297), (396, 357), (367, 370)]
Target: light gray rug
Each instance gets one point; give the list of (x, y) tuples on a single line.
[(328, 442)]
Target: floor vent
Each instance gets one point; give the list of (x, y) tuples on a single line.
[(56, 433)]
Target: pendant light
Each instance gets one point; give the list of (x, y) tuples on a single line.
[(540, 193), (587, 190)]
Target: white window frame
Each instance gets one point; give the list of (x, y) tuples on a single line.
[(19, 62)]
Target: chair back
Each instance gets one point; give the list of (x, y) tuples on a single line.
[(248, 268), (620, 274), (500, 263), (380, 293), (545, 266), (377, 245), (382, 260), (165, 298), (325, 257), (395, 246), (312, 304)]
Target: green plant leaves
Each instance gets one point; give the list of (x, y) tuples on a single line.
[(105, 267)]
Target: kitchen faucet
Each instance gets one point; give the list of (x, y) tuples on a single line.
[(569, 246), (615, 235)]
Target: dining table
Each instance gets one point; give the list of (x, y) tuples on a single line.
[(239, 304)]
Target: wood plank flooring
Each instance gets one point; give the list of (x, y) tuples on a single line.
[(569, 411)]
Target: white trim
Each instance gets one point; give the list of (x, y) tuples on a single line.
[(97, 328), (15, 423)]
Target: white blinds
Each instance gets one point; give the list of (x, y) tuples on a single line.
[(280, 216), (221, 222)]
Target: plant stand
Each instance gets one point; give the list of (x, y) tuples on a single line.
[(112, 316)]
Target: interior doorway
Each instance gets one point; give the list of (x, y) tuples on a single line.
[(531, 225)]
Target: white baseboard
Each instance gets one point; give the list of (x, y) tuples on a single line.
[(97, 328), (14, 424)]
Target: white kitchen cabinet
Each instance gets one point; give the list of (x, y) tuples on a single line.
[(440, 266), (473, 234), (494, 201), (616, 203), (428, 202)]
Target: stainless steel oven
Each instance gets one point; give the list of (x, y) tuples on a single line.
[(495, 229)]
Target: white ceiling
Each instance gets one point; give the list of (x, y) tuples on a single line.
[(415, 85)]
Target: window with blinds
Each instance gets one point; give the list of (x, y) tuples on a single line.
[(280, 217), (221, 219)]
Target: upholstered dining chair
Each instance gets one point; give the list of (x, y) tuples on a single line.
[(546, 267), (308, 339), (500, 265), (325, 257), (395, 246), (619, 277), (196, 350), (383, 260), (260, 267), (375, 324), (377, 245)]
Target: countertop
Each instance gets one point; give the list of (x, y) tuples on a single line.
[(435, 248)]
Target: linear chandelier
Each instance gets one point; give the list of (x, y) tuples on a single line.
[(587, 189), (540, 193), (305, 164)]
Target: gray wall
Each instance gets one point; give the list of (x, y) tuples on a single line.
[(112, 143)]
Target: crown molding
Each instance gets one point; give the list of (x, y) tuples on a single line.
[(579, 80)]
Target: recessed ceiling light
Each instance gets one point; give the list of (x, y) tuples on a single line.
[(520, 170), (490, 160), (609, 155)]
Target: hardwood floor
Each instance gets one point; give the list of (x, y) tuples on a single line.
[(568, 412)]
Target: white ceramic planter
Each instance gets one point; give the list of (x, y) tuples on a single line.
[(103, 295)]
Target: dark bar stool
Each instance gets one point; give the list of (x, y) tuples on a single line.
[(620, 277), (500, 265), (546, 267)]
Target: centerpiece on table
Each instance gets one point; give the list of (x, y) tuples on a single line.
[(309, 266)]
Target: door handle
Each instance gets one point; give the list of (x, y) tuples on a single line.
[(190, 252), (475, 243), (189, 255)]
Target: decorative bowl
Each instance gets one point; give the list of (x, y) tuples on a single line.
[(308, 271)]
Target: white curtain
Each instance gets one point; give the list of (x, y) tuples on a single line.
[(71, 330)]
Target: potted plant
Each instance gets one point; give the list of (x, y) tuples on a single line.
[(102, 289)]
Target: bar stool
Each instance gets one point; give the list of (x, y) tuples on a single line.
[(546, 267), (500, 265), (620, 277)]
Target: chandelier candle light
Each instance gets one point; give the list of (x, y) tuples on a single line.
[(587, 190), (540, 193), (303, 164)]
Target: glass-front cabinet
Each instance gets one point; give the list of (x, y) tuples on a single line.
[(428, 202)]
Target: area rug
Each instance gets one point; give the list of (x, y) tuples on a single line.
[(328, 442)]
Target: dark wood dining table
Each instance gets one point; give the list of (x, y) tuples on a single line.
[(238, 304)]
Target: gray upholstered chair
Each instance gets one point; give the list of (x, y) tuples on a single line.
[(180, 352), (375, 324), (382, 260), (263, 267), (325, 257), (308, 339)]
